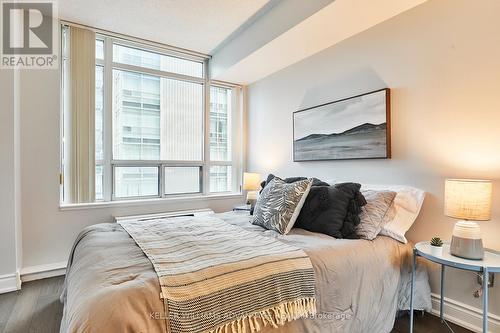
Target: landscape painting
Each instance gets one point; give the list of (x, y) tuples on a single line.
[(352, 128)]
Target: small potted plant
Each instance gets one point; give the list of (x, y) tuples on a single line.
[(436, 246)]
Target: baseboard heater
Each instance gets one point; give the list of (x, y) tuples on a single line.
[(145, 217)]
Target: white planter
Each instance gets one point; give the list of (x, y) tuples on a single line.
[(436, 251)]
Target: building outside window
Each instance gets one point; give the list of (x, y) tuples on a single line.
[(220, 137)]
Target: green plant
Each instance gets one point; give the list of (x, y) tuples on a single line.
[(436, 241)]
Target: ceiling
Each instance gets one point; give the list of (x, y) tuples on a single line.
[(248, 39), (198, 25), (328, 26)]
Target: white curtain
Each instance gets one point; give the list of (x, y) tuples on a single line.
[(82, 114)]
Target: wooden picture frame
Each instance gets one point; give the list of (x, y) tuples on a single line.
[(357, 127)]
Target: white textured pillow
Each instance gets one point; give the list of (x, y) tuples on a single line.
[(373, 214), (403, 211)]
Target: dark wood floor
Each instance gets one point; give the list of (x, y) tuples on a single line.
[(425, 324), (36, 308)]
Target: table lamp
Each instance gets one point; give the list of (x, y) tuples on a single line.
[(470, 201), (251, 184)]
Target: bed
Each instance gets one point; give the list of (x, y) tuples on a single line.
[(111, 286)]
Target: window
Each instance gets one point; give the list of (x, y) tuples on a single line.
[(220, 178), (221, 102), (135, 181), (220, 123), (99, 131), (155, 136), (136, 116), (137, 57), (182, 180)]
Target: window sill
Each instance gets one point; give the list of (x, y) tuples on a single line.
[(142, 202)]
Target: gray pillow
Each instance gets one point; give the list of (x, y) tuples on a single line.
[(280, 203), (373, 213)]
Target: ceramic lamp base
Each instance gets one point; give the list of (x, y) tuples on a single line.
[(466, 241)]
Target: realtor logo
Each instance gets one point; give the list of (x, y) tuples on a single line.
[(29, 35)]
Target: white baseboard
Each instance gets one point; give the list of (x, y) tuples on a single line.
[(43, 271), (9, 282), (465, 315)]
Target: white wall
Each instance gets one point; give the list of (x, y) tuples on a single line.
[(442, 62), (8, 256)]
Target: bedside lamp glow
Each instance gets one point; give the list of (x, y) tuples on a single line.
[(251, 184), (470, 201)]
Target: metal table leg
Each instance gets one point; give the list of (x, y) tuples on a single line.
[(485, 299), (413, 267), (441, 301), (442, 294)]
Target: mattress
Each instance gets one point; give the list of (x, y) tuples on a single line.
[(111, 286)]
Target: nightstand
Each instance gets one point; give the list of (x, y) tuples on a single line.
[(490, 264), (240, 208)]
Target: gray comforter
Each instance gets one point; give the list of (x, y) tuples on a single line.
[(111, 286)]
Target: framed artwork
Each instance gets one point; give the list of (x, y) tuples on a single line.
[(357, 127)]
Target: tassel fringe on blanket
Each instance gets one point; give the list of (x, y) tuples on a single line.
[(276, 316)]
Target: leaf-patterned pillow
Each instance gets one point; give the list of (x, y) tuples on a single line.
[(280, 203)]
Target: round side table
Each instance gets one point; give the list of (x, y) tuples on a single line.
[(489, 264)]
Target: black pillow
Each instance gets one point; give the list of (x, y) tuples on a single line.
[(324, 211), (356, 201), (331, 210), (327, 210), (316, 181)]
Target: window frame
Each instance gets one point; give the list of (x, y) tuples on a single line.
[(109, 164)]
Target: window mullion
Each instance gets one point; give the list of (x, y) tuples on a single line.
[(222, 163), (155, 72), (155, 163), (161, 180)]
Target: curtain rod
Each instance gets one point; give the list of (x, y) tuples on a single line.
[(137, 39)]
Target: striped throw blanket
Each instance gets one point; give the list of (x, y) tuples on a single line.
[(217, 277)]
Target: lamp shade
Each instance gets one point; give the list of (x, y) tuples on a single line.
[(251, 181), (468, 199)]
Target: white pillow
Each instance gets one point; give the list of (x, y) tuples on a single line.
[(403, 211)]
